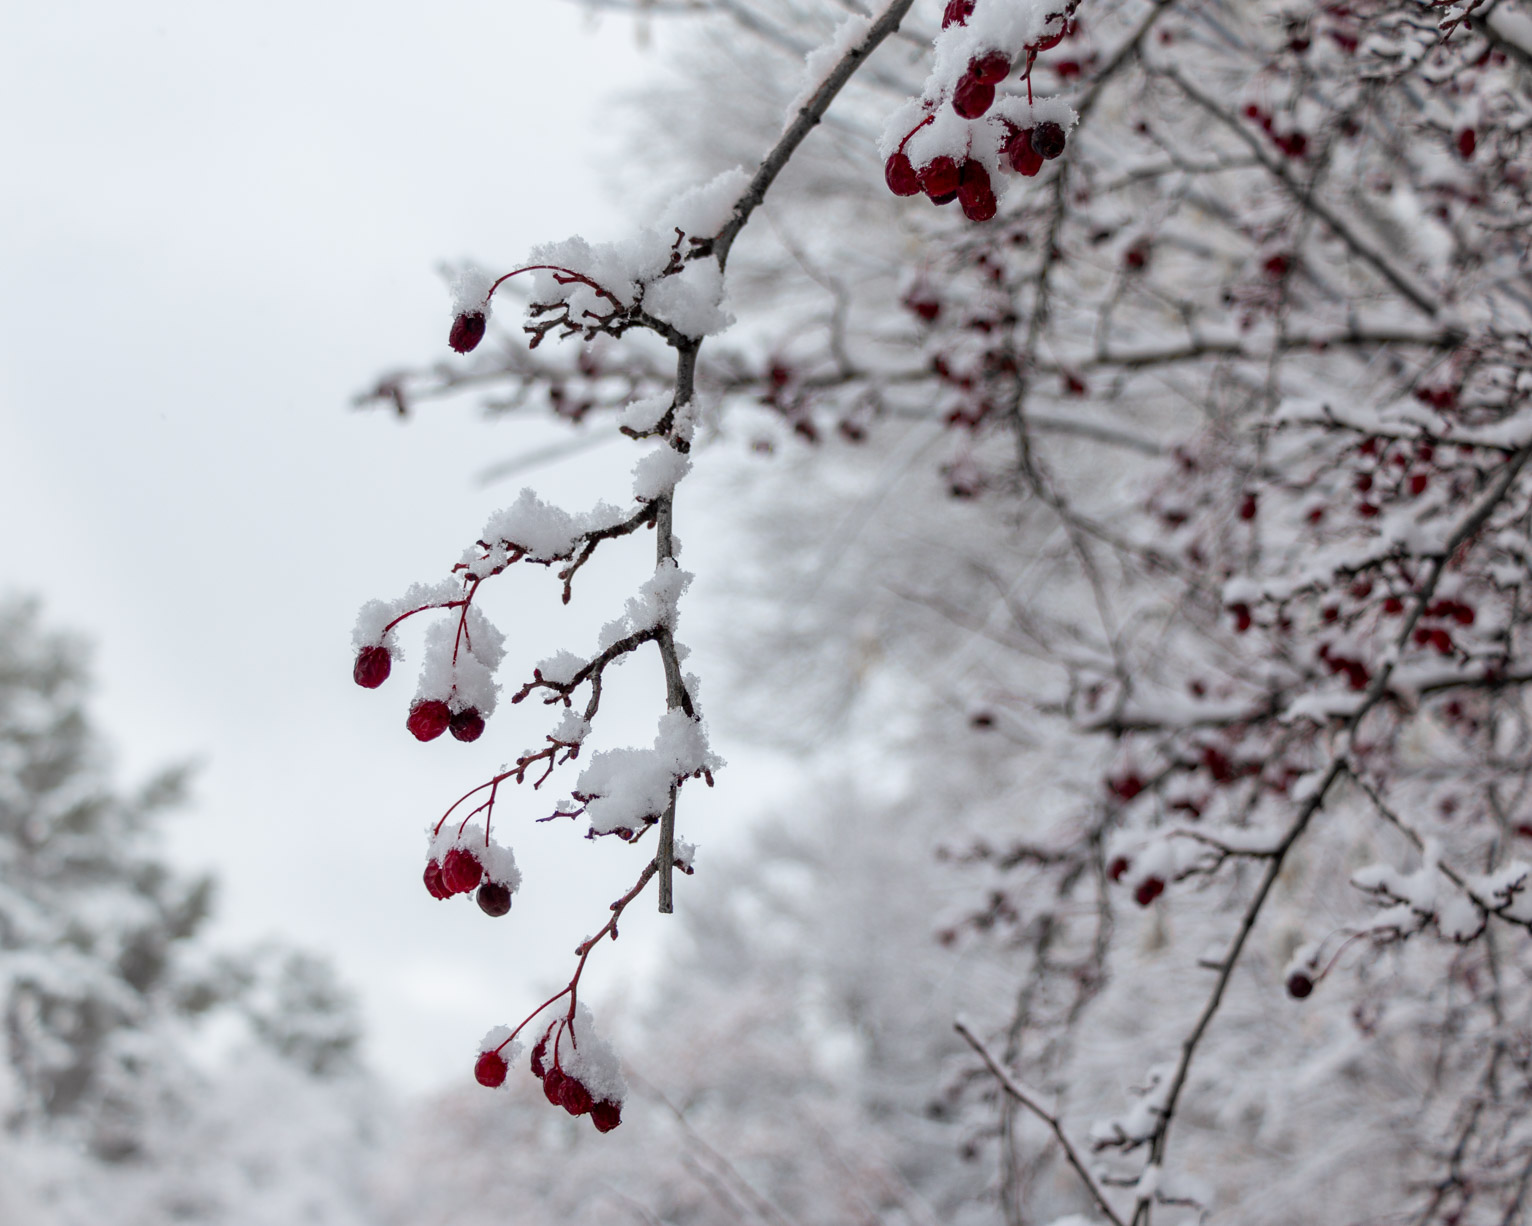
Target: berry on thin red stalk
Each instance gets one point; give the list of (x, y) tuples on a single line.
[(494, 899), (461, 870), (467, 331), (606, 1115), (1148, 890), (972, 97), (467, 725), (975, 193), (1299, 985), (435, 886), (553, 1085), (538, 1052), (428, 720), (900, 175), (939, 177), (490, 1069), (991, 69), (1025, 160), (574, 1097), (957, 12), (372, 667), (1048, 139)]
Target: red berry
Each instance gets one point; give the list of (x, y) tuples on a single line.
[(939, 177), (1418, 483), (972, 97), (1048, 140), (606, 1115), (1136, 257), (428, 720), (957, 12), (1467, 142), (1117, 868), (1148, 890), (467, 725), (461, 870), (372, 667), (1242, 618), (434, 884), (574, 1097), (975, 193), (553, 1084), (1299, 985), (1247, 507), (490, 1069), (494, 899), (467, 331), (1393, 606), (900, 175), (1126, 787), (1275, 266), (1442, 641), (1025, 160), (990, 69), (538, 1052)]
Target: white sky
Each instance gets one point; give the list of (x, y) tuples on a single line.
[(216, 224)]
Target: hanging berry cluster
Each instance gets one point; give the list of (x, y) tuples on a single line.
[(955, 141)]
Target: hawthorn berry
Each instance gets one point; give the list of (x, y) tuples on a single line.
[(1024, 159), (939, 177), (461, 870), (490, 1069), (435, 886), (944, 198), (553, 1085), (428, 719), (1048, 140), (991, 69), (606, 1115), (574, 1097), (957, 12), (467, 725), (372, 667), (1247, 507), (538, 1052), (1299, 985), (493, 899), (1136, 257), (972, 97), (974, 192), (467, 331), (900, 175), (1117, 867), (1148, 890), (1242, 617), (1467, 141)]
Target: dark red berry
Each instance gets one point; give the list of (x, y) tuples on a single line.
[(372, 667), (1048, 140), (574, 1097), (975, 193), (538, 1052), (939, 177), (467, 725), (467, 331), (1418, 483), (490, 1069), (428, 720), (957, 12), (1393, 606), (1148, 890), (553, 1084), (900, 175), (944, 198), (1117, 867), (435, 886), (1467, 142), (1136, 257), (494, 899), (461, 870), (606, 1115), (1247, 507), (1299, 985), (1025, 160), (1275, 266), (1242, 618), (990, 69), (972, 97), (1126, 787)]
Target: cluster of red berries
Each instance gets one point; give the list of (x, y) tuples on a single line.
[(1293, 143), (1146, 891), (459, 872), (559, 1087), (944, 179), (428, 718)]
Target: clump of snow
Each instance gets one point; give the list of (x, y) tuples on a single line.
[(560, 669), (470, 288), (545, 533), (821, 61), (691, 300), (645, 414), (626, 788), (460, 669), (499, 861), (653, 605), (377, 614), (702, 211), (657, 472), (591, 1060)]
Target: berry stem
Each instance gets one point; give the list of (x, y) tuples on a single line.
[(564, 276)]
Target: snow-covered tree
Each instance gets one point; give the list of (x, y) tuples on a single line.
[(1162, 519), (106, 985)]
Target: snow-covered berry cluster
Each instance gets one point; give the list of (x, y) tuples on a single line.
[(957, 139)]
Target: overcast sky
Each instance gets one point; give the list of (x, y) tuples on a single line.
[(216, 224)]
